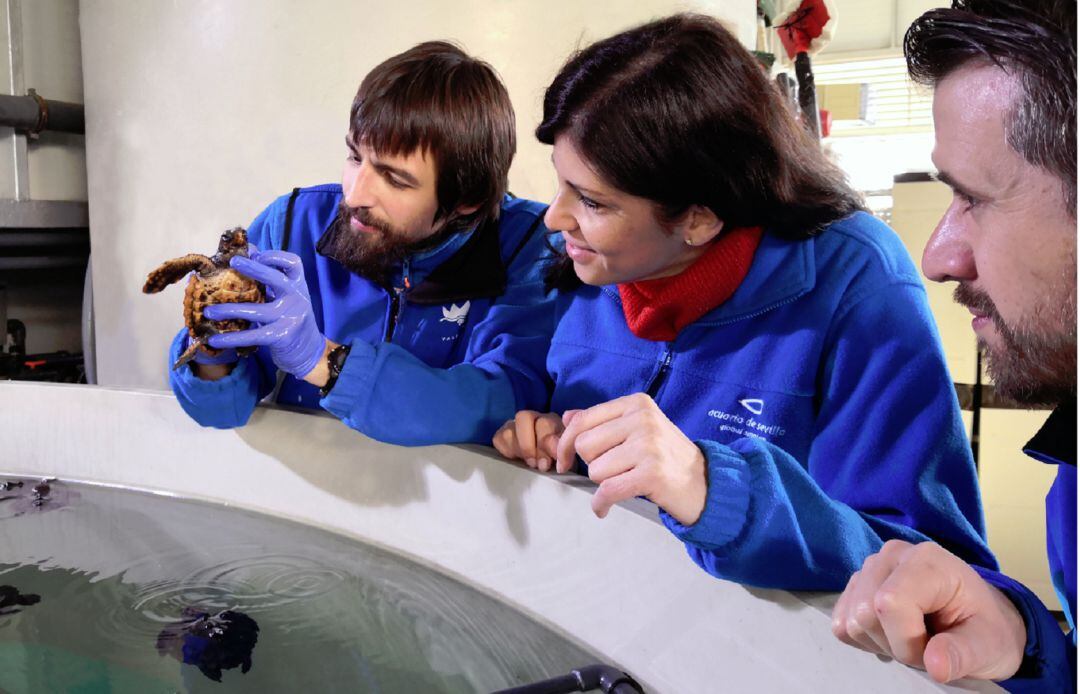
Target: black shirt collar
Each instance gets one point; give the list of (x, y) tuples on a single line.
[(1055, 442), (475, 271)]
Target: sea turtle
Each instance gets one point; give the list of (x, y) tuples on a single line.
[(212, 282), (11, 599), (212, 642)]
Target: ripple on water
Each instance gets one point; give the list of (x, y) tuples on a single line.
[(253, 585), (117, 568)]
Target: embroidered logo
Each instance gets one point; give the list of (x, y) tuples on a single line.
[(753, 404), (455, 314)]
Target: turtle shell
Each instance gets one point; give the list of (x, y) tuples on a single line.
[(212, 281), (220, 286)]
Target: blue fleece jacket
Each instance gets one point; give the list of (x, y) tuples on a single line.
[(820, 397), (1050, 655), (464, 329)]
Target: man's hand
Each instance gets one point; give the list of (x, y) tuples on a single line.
[(927, 608), (633, 449), (286, 324), (530, 436)]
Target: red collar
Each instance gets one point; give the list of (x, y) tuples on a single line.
[(658, 309)]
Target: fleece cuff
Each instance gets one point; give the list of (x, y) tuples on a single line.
[(727, 500), (1049, 662), (187, 377), (348, 399)]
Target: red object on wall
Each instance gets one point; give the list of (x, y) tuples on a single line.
[(803, 26), (826, 122)]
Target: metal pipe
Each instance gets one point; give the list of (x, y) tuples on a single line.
[(33, 114), (29, 239), (40, 262), (43, 214), (606, 678)]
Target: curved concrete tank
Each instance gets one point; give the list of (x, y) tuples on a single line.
[(622, 587)]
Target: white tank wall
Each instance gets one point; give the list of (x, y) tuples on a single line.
[(623, 585), (200, 112)]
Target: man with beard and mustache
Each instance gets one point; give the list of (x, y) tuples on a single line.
[(409, 300), (1004, 75)]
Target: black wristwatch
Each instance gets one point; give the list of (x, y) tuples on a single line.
[(335, 362)]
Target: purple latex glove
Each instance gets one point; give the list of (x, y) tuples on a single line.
[(286, 324), (227, 356)]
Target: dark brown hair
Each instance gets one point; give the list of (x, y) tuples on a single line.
[(1037, 40), (436, 97), (678, 112)]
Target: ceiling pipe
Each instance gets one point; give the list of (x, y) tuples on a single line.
[(31, 114)]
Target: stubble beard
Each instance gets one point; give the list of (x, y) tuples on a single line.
[(1036, 361)]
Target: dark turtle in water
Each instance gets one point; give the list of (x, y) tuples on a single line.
[(26, 496), (212, 282), (11, 599), (211, 642)]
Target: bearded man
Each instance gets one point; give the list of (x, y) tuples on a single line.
[(1004, 78), (409, 300)]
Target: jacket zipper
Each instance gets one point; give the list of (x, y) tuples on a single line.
[(661, 375), (396, 303), (760, 312)]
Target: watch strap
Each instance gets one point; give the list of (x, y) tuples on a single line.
[(335, 362)]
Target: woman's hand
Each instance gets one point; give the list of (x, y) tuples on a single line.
[(532, 437), (633, 449)]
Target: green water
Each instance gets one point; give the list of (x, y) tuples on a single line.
[(113, 568)]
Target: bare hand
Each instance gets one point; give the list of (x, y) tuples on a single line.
[(531, 436), (211, 372), (927, 608), (633, 449)]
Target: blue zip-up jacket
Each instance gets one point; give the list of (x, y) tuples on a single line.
[(464, 328), (820, 397), (1050, 656)]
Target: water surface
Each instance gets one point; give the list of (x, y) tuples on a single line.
[(114, 569)]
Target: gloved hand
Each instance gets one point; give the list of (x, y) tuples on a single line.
[(227, 356), (286, 324)]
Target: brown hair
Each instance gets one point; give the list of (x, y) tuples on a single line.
[(437, 98), (1037, 40), (678, 112)]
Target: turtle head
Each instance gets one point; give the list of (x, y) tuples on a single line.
[(233, 242)]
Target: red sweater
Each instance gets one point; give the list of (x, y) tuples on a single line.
[(658, 309)]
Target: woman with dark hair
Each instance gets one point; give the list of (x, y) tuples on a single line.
[(737, 340)]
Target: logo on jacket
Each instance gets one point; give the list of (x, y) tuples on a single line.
[(753, 404), (739, 424), (455, 314)]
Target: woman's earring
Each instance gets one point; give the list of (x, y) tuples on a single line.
[(689, 241)]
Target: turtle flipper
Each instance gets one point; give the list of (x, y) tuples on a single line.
[(174, 270), (189, 353), (213, 671)]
